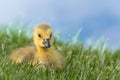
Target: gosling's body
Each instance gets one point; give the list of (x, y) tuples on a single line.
[(49, 57), (25, 54), (43, 53)]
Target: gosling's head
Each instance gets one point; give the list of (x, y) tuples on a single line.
[(43, 36)]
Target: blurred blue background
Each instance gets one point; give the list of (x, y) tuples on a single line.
[(89, 20)]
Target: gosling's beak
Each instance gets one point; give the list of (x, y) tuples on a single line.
[(47, 43)]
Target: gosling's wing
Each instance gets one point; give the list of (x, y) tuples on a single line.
[(23, 54)]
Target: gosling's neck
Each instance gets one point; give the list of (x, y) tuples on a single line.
[(42, 50)]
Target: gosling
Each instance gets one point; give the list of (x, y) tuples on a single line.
[(43, 53)]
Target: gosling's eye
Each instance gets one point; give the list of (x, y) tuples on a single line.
[(39, 35), (50, 35)]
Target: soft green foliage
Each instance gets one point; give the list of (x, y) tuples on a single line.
[(82, 64)]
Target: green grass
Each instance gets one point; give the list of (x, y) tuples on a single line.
[(82, 64)]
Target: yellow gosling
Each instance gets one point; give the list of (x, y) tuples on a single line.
[(43, 54)]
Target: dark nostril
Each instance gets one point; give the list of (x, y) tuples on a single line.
[(47, 39)]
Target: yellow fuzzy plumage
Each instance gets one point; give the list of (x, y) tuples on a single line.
[(42, 54)]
